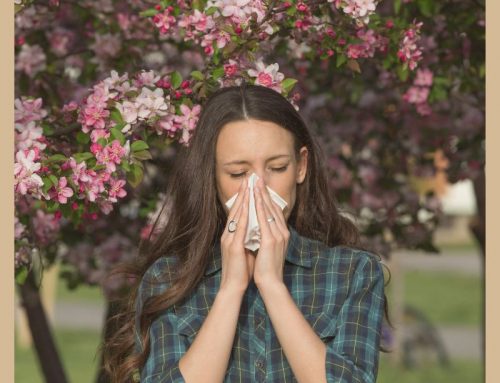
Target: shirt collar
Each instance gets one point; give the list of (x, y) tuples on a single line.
[(297, 252)]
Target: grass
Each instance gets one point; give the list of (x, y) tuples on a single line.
[(81, 293), (459, 371), (445, 298), (76, 348)]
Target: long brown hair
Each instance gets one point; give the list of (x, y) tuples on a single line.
[(196, 217)]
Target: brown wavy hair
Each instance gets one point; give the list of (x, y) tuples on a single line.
[(196, 218)]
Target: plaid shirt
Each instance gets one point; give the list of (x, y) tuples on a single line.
[(339, 290)]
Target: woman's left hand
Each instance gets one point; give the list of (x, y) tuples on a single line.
[(274, 238)]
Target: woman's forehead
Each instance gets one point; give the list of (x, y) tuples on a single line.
[(255, 139)]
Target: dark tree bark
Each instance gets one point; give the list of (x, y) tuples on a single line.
[(478, 224), (478, 228), (48, 356)]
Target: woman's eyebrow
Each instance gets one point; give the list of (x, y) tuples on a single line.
[(238, 162)]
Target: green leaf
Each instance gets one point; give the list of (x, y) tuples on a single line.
[(118, 135), (47, 129), (82, 138), (80, 157), (125, 166), (211, 11), (148, 13), (142, 155), (47, 184), (403, 72), (176, 80), (197, 75), (116, 116), (288, 84), (426, 7), (138, 146), (218, 73), (57, 158), (341, 59), (291, 11), (21, 274), (397, 6), (134, 177), (54, 180)]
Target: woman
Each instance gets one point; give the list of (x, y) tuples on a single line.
[(306, 306)]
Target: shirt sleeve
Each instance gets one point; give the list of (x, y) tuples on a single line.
[(166, 345), (352, 355)]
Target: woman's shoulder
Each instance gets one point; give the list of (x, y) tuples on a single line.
[(157, 276), (347, 260)]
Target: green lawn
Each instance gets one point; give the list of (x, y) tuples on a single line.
[(459, 371), (81, 293), (446, 298), (78, 351)]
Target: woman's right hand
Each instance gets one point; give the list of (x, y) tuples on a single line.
[(237, 271)]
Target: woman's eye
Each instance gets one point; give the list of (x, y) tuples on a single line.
[(279, 170), (237, 175)]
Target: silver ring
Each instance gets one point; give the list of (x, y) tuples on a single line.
[(232, 226), (271, 219)]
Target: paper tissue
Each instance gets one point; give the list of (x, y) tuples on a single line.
[(252, 237)]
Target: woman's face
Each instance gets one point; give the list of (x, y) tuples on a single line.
[(249, 146)]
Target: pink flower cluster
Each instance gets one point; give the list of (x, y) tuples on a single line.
[(371, 41), (268, 76), (418, 93), (360, 10), (409, 51), (31, 60), (208, 30)]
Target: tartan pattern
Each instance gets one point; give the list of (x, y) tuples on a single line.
[(339, 290)]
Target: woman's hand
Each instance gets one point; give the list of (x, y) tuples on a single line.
[(237, 261), (274, 238)]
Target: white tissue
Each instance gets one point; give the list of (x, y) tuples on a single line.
[(252, 237)]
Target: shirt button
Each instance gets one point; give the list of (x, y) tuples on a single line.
[(259, 363)]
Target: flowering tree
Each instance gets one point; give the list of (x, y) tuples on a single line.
[(107, 91)]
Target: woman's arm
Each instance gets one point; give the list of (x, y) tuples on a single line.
[(208, 356), (352, 355)]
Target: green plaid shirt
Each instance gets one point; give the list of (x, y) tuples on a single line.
[(339, 290)]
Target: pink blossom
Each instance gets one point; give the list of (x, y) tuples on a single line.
[(18, 228), (93, 116), (31, 60), (30, 135), (416, 95), (188, 121), (25, 168), (409, 51), (46, 227), (267, 76), (424, 77), (27, 110), (357, 9), (164, 21), (111, 156), (150, 103), (60, 40), (62, 192), (116, 189), (106, 45), (231, 68)]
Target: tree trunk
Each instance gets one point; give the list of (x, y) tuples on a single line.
[(478, 224), (46, 350), (478, 228)]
